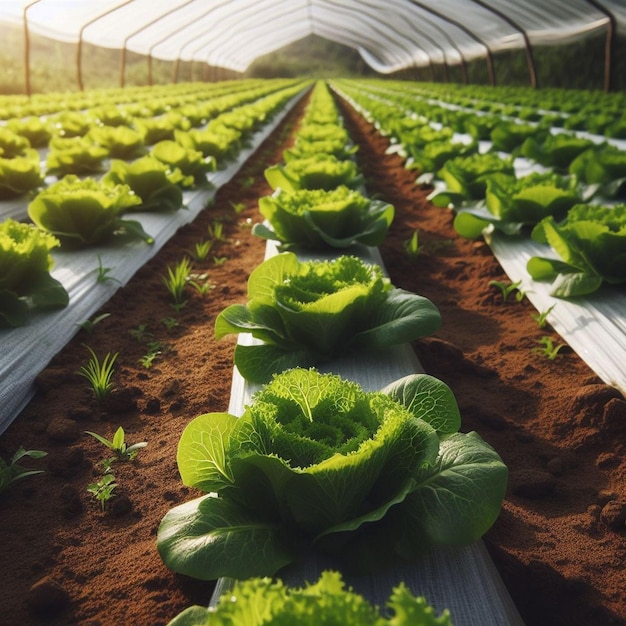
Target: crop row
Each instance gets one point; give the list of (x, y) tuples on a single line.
[(548, 203), (83, 277)]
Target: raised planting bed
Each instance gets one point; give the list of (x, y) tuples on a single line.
[(558, 544)]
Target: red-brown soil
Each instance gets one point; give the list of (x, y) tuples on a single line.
[(559, 544)]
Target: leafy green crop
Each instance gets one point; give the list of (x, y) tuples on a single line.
[(305, 313), (85, 212), (327, 602), (74, 155), (25, 281), (514, 203), (320, 171), (317, 464), (603, 168), (556, 151), (192, 163), (509, 136), (591, 243), (156, 184), (318, 219), (120, 142), (20, 174)]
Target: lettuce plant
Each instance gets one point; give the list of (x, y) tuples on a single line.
[(74, 155), (304, 313), (264, 602), (120, 142), (555, 151), (509, 136), (11, 144), (85, 212), (192, 163), (25, 280), (221, 143), (20, 175), (316, 464), (591, 243), (320, 171), (513, 203), (603, 168), (321, 219), (303, 149), (155, 183), (36, 130)]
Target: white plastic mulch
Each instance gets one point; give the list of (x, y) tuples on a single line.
[(25, 351)]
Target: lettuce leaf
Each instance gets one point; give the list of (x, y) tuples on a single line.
[(85, 212), (591, 244), (262, 601), (317, 464), (318, 219), (25, 281), (309, 312)]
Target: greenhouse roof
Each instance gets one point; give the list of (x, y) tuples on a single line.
[(390, 35)]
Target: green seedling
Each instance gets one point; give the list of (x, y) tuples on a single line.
[(176, 280), (117, 445), (103, 273), (88, 325), (201, 250), (506, 289), (247, 182), (103, 489), (238, 207), (219, 260), (542, 318), (140, 333), (548, 348), (169, 322), (200, 283), (154, 349), (412, 245), (99, 374), (10, 472), (216, 231)]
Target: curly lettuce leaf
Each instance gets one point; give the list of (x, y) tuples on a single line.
[(85, 212), (192, 163), (20, 175), (316, 463), (319, 219), (317, 310), (25, 281), (262, 601)]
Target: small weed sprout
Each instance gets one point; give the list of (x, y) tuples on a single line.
[(169, 322), (201, 250), (88, 325), (103, 489), (154, 349), (200, 283), (122, 451), (548, 348), (103, 273), (542, 318), (506, 289), (219, 260), (10, 472), (140, 333), (238, 207), (99, 374), (176, 280), (247, 182), (411, 245), (216, 231)]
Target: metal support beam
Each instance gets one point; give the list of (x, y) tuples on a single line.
[(609, 44)]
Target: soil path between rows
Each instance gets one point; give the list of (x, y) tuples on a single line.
[(559, 543)]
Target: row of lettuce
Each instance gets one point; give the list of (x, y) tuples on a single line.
[(82, 208), (563, 189), (316, 465)]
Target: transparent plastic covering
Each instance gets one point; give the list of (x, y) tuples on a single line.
[(390, 35)]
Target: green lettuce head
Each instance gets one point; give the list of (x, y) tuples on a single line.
[(318, 219), (83, 212), (309, 312), (25, 281), (316, 463)]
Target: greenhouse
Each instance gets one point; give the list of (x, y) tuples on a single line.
[(313, 312)]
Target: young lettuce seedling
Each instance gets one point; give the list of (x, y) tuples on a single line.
[(542, 318), (117, 445), (550, 350), (11, 472), (506, 289), (103, 489), (99, 374)]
